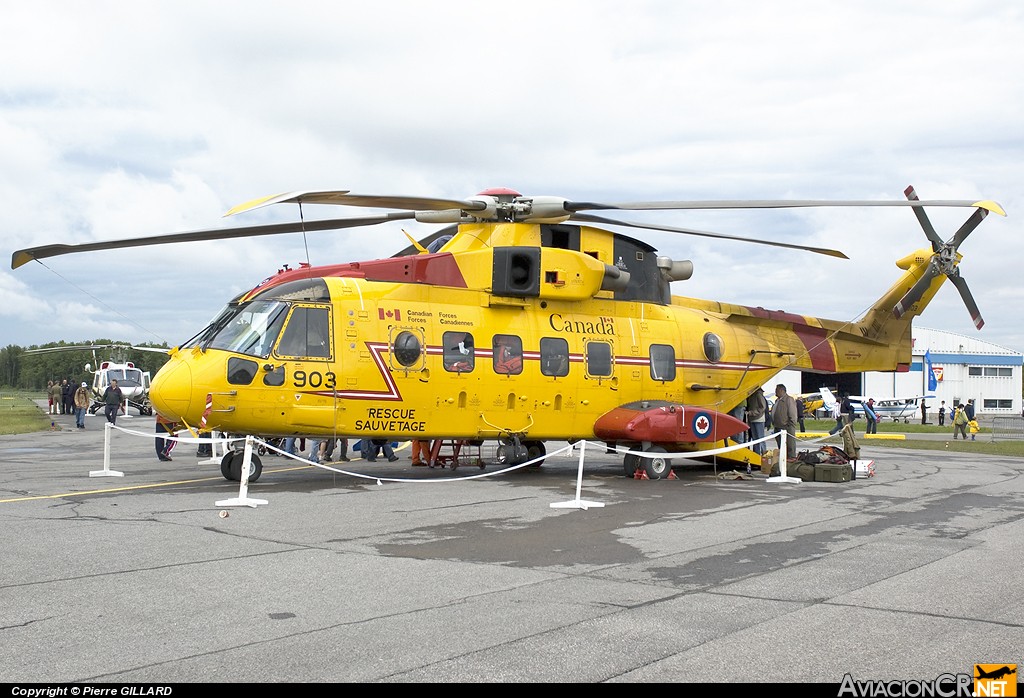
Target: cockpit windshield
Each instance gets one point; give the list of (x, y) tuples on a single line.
[(250, 329), (125, 377)]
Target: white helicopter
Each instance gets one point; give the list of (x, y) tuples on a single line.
[(132, 380)]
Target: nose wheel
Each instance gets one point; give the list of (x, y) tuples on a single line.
[(231, 466)]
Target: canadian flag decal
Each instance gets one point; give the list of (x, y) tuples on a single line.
[(389, 314)]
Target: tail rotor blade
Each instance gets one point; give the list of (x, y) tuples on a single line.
[(965, 294), (922, 218), (916, 291), (968, 227)]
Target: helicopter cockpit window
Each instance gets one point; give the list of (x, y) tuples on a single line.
[(599, 359), (663, 362), (252, 329), (459, 356), (307, 334), (125, 377), (508, 354), (554, 356), (713, 347)]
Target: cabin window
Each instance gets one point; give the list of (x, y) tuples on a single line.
[(407, 348), (663, 362), (554, 356), (997, 404), (458, 354), (713, 347), (599, 359), (275, 377), (241, 371), (307, 333), (508, 354)]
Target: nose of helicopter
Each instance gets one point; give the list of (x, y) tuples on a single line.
[(171, 390)]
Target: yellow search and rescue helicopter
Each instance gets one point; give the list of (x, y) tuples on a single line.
[(522, 322)]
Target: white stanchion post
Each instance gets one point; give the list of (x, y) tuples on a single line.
[(214, 459), (578, 503), (106, 472), (243, 499), (783, 460)]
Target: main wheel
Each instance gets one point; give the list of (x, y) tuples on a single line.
[(656, 466), (630, 463), (535, 450)]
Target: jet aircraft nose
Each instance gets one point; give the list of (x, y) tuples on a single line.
[(171, 390)]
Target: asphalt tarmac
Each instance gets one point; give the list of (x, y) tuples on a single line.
[(390, 573)]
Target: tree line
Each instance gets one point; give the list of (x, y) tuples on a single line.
[(20, 370)]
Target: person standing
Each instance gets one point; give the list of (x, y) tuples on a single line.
[(969, 411), (67, 391), (163, 445), (800, 414), (836, 415), (112, 400), (81, 403), (869, 414), (757, 405), (740, 413), (942, 413), (959, 421), (846, 409), (784, 418), (49, 395), (420, 451)]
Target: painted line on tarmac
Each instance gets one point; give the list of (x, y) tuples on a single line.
[(129, 488)]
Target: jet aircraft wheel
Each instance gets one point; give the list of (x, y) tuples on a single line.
[(656, 466), (630, 463), (535, 449)]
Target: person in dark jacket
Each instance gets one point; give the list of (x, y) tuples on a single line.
[(112, 400)]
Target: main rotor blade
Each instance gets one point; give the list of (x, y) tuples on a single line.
[(916, 291), (922, 218), (591, 218), (965, 294), (573, 206), (344, 198), (968, 227), (21, 257)]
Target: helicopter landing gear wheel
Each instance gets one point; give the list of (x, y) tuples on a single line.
[(231, 466), (656, 466), (535, 450), (511, 452), (630, 464)]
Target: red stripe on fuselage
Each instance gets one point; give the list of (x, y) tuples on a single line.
[(814, 339)]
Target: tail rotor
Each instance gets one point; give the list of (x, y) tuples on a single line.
[(945, 257)]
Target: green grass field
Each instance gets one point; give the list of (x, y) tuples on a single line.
[(20, 415)]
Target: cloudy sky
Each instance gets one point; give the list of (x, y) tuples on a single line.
[(126, 119)]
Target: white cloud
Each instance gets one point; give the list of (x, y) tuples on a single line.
[(155, 117)]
